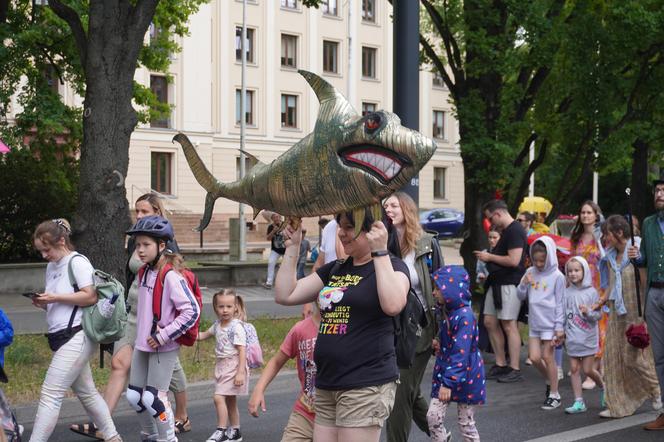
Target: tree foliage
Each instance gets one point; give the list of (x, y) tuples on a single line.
[(94, 47)]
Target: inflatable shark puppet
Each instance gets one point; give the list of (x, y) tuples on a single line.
[(349, 162)]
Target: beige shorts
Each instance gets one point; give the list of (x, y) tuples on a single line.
[(511, 304), (298, 429), (359, 407)]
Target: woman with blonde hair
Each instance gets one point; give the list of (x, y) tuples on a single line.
[(421, 253), (63, 299)]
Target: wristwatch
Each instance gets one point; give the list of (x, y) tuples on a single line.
[(379, 253)]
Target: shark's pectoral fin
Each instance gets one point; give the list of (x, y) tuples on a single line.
[(210, 198), (251, 157)]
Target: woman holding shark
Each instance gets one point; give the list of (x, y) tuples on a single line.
[(355, 388)]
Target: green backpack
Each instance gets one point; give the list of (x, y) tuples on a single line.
[(105, 321)]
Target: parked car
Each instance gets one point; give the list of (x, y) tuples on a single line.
[(447, 222)]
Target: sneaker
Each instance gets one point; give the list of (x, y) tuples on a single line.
[(588, 384), (511, 377), (496, 371), (605, 413), (657, 404), (657, 424), (561, 374), (234, 434), (578, 407), (551, 403), (219, 435)]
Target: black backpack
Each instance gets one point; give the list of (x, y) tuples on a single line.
[(408, 325)]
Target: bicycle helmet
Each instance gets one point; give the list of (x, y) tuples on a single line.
[(154, 226)]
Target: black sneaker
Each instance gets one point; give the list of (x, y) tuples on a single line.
[(551, 403), (219, 435), (496, 371), (511, 377), (234, 434)]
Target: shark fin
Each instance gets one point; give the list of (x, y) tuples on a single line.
[(331, 101), (251, 157)]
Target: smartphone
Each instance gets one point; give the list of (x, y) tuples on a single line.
[(31, 295)]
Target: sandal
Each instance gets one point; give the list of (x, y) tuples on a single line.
[(88, 429), (182, 426)]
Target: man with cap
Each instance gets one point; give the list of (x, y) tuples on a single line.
[(651, 256)]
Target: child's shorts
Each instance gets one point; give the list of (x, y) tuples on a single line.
[(544, 335), (224, 373), (359, 407)]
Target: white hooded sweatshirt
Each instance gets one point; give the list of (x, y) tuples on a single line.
[(581, 331), (545, 294)]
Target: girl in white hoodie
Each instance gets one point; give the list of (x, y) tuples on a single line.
[(543, 285)]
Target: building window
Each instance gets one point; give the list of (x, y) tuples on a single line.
[(368, 108), (289, 50), (368, 62), (161, 171), (438, 80), (439, 182), (249, 46), (290, 4), (329, 7), (330, 56), (249, 163), (249, 111), (159, 87), (288, 110), (439, 124), (369, 10)]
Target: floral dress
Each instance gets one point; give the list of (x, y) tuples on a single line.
[(592, 253)]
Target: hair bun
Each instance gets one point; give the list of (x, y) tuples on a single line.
[(63, 223)]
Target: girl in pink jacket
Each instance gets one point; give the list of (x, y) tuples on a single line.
[(156, 349)]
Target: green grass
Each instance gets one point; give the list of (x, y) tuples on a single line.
[(27, 359)]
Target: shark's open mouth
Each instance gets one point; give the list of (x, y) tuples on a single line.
[(382, 163)]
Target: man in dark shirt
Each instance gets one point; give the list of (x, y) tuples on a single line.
[(651, 256), (506, 266), (277, 248)]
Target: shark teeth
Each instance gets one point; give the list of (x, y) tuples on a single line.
[(383, 164)]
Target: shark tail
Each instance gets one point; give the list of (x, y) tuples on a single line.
[(214, 188)]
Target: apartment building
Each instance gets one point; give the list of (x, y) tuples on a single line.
[(282, 36)]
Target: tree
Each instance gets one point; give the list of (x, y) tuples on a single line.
[(100, 44), (494, 58)]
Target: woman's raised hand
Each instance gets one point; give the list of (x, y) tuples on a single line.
[(377, 236)]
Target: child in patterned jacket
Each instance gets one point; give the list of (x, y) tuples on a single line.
[(458, 375)]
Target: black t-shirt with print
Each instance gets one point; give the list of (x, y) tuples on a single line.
[(355, 344), (278, 244), (513, 237)]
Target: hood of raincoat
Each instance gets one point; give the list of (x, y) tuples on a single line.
[(454, 284)]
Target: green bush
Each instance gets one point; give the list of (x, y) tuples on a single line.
[(36, 185)]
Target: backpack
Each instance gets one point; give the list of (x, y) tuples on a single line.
[(408, 325), (105, 321), (254, 350), (188, 338)]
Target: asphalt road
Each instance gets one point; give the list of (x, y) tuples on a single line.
[(511, 414)]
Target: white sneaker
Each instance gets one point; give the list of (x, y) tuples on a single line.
[(588, 384), (561, 375), (605, 413), (657, 404)]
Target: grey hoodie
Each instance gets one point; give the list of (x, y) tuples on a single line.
[(545, 294), (581, 331)]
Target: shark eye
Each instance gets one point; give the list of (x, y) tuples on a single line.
[(373, 122)]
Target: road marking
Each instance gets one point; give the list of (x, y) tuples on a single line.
[(597, 429)]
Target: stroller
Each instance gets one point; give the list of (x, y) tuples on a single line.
[(10, 426)]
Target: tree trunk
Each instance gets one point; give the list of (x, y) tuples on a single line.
[(474, 237), (641, 194), (102, 214)]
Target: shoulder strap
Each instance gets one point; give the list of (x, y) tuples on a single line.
[(335, 267), (158, 291), (72, 281), (437, 260)]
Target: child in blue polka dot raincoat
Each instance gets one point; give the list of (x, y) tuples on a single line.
[(458, 375)]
